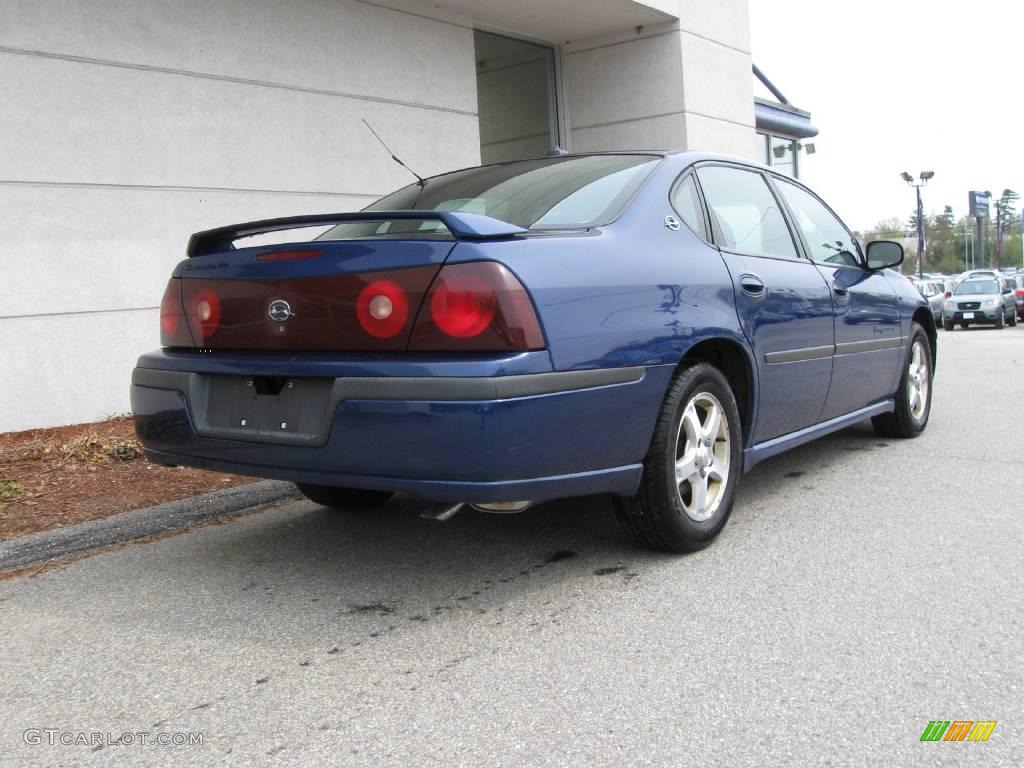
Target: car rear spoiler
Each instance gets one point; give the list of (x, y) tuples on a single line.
[(465, 226)]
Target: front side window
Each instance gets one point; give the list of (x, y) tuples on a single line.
[(572, 192), (744, 213), (828, 241), (686, 201)]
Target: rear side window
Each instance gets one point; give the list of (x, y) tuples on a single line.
[(686, 201), (744, 213)]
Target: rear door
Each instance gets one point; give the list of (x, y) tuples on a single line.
[(783, 302), (869, 346)]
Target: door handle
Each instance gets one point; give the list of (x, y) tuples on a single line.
[(752, 285)]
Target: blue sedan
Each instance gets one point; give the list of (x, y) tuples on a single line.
[(643, 324)]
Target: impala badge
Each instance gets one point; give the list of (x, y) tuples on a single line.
[(279, 310)]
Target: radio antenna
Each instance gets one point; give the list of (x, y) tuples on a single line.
[(420, 180)]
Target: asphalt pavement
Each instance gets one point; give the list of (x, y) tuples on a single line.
[(862, 588)]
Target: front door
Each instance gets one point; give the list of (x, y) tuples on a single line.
[(783, 302), (867, 312)]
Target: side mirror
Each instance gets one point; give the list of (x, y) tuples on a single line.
[(883, 254)]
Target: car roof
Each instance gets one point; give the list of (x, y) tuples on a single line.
[(683, 157)]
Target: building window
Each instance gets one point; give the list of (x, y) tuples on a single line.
[(784, 155), (780, 152), (766, 148)]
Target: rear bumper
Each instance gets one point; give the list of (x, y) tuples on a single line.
[(478, 439)]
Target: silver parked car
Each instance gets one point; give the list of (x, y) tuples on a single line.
[(933, 292), (980, 299)]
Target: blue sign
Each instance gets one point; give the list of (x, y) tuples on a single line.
[(979, 204)]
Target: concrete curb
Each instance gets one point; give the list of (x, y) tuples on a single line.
[(127, 526)]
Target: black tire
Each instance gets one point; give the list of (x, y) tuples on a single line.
[(1012, 322), (947, 325), (963, 326), (1000, 322), (657, 516), (348, 499), (903, 422)]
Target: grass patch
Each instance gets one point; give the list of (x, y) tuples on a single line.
[(9, 490)]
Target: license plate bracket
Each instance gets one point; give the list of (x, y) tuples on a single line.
[(273, 409)]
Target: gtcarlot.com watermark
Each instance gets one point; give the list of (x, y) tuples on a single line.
[(55, 736)]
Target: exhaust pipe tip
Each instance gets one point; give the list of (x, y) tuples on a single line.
[(503, 507), (441, 512)]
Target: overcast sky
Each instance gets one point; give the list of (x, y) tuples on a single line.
[(896, 85)]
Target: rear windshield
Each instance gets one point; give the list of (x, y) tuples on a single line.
[(977, 287), (549, 193)]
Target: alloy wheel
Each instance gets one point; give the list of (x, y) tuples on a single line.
[(702, 456), (918, 380)]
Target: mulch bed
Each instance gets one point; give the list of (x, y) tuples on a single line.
[(65, 475)]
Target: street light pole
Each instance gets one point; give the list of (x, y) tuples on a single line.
[(925, 176), (920, 235)]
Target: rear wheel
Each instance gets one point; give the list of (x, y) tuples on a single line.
[(963, 326), (914, 396), (343, 498), (692, 467)]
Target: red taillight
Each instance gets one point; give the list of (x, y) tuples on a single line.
[(382, 308), (477, 307), (462, 307), (170, 310), (1019, 291), (949, 295), (173, 332), (205, 312)]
